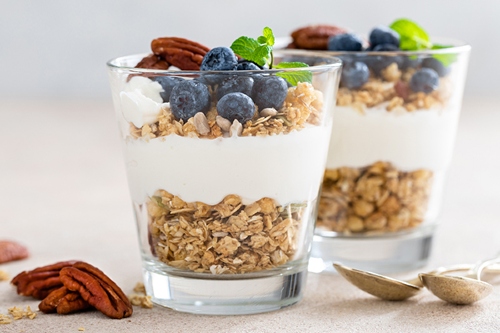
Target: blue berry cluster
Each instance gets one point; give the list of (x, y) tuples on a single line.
[(358, 65), (236, 94)]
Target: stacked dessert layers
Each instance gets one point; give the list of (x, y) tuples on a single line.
[(393, 131), (225, 169)]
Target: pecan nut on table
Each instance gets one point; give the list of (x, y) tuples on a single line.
[(72, 286), (10, 251), (40, 282)]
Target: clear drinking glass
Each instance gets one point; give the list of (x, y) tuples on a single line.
[(225, 210), (389, 154)]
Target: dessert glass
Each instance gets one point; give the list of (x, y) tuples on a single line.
[(388, 158), (225, 212)]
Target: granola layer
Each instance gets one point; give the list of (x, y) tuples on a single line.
[(303, 105), (225, 238), (392, 91), (376, 198)]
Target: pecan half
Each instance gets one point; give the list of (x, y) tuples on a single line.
[(63, 301), (315, 37), (182, 53), (10, 251), (97, 289), (153, 61), (41, 281)]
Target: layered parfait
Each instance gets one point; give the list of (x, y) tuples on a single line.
[(394, 127), (225, 157)]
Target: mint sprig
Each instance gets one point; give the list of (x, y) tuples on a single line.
[(260, 51), (412, 37), (257, 50)]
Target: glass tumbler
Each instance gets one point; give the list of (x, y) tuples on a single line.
[(225, 203), (391, 146)]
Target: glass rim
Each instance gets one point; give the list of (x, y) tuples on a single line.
[(331, 63), (457, 47)]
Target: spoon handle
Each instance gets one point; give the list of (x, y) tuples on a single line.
[(443, 270), (480, 266)]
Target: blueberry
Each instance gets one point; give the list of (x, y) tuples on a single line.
[(167, 83), (424, 80), (269, 92), (233, 84), (211, 79), (410, 62), (237, 106), (219, 59), (345, 42), (383, 35), (380, 62), (385, 47), (188, 98), (347, 59), (354, 75), (436, 65), (245, 65)]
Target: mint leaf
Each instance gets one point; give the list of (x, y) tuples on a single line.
[(445, 59), (261, 55), (412, 36), (296, 76), (269, 36), (245, 47), (262, 40)]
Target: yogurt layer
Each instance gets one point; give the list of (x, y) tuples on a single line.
[(283, 167), (409, 140)]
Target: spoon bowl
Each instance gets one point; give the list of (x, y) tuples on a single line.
[(378, 285), (461, 289), (456, 289)]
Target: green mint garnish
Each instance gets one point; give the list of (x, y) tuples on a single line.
[(246, 48), (296, 76), (260, 51), (412, 36), (257, 50), (445, 59)]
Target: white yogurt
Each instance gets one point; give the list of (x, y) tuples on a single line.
[(141, 101), (285, 167), (409, 140)]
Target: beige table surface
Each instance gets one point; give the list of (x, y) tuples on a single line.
[(63, 193)]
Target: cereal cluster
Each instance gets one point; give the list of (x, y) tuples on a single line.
[(139, 297), (392, 89), (228, 237), (373, 199), (303, 104), (16, 313)]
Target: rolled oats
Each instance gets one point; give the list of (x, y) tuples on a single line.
[(226, 238), (141, 300), (374, 198), (18, 313), (4, 276), (4, 319)]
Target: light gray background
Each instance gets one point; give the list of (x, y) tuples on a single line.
[(57, 49)]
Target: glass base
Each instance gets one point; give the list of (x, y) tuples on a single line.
[(380, 254), (224, 296)]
